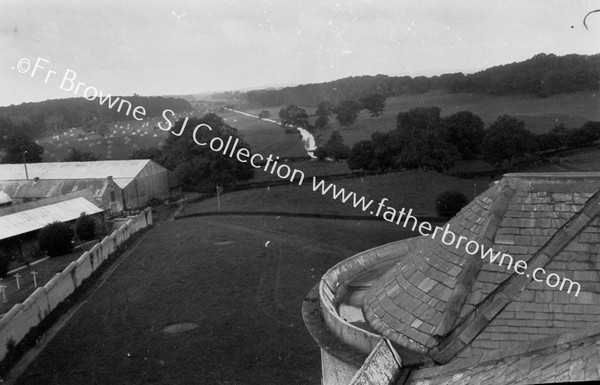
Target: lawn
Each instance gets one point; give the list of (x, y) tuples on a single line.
[(410, 189), (240, 279)]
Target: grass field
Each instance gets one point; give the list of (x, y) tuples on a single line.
[(539, 114), (122, 139), (245, 296), (410, 189)]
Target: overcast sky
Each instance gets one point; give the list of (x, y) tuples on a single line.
[(157, 48)]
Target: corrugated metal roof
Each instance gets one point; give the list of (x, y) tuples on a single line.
[(122, 171), (4, 198), (49, 188), (31, 220), (85, 193)]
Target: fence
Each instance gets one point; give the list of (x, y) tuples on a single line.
[(19, 320)]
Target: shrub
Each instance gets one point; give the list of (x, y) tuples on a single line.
[(56, 239), (85, 227), (321, 153), (449, 203), (4, 264)]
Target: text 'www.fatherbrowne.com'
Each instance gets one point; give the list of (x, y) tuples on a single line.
[(448, 237)]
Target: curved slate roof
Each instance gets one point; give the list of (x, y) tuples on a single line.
[(441, 302)]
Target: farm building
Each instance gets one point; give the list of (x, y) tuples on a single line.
[(85, 193), (18, 230), (425, 311), (116, 185)]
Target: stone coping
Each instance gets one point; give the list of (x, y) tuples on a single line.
[(334, 286)]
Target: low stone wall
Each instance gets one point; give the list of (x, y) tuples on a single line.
[(334, 285), (19, 320)]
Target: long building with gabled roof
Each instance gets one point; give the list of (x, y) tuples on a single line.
[(117, 184)]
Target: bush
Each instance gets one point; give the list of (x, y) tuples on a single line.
[(321, 153), (85, 227), (4, 265), (56, 239), (449, 203)]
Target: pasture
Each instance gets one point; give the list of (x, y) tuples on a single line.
[(240, 297), (410, 189), (540, 114), (122, 139)]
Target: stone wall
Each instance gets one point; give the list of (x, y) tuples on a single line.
[(19, 320)]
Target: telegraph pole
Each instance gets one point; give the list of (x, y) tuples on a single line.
[(25, 164)]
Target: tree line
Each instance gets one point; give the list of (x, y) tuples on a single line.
[(60, 114), (542, 75), (423, 139)]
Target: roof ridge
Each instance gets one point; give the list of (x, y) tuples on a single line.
[(498, 299), (469, 272)]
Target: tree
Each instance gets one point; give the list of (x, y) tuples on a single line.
[(362, 156), (322, 122), (324, 109), (16, 144), (347, 111), (293, 116), (85, 227), (554, 139), (423, 134), (55, 122), (264, 114), (56, 239), (74, 155), (419, 120), (321, 153), (153, 153), (199, 166), (336, 148), (387, 150), (584, 136), (506, 139), (4, 264), (374, 103), (465, 131)]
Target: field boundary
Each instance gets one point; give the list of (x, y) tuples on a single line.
[(299, 215), (16, 324)]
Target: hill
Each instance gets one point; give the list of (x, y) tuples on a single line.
[(542, 75), (53, 116)]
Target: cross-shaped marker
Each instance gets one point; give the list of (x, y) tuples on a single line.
[(17, 276), (34, 273)]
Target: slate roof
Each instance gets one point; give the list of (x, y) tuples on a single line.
[(573, 356), (443, 303), (122, 171)]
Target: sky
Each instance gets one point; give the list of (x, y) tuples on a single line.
[(154, 47)]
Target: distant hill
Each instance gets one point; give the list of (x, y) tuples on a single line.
[(58, 114), (542, 75)]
